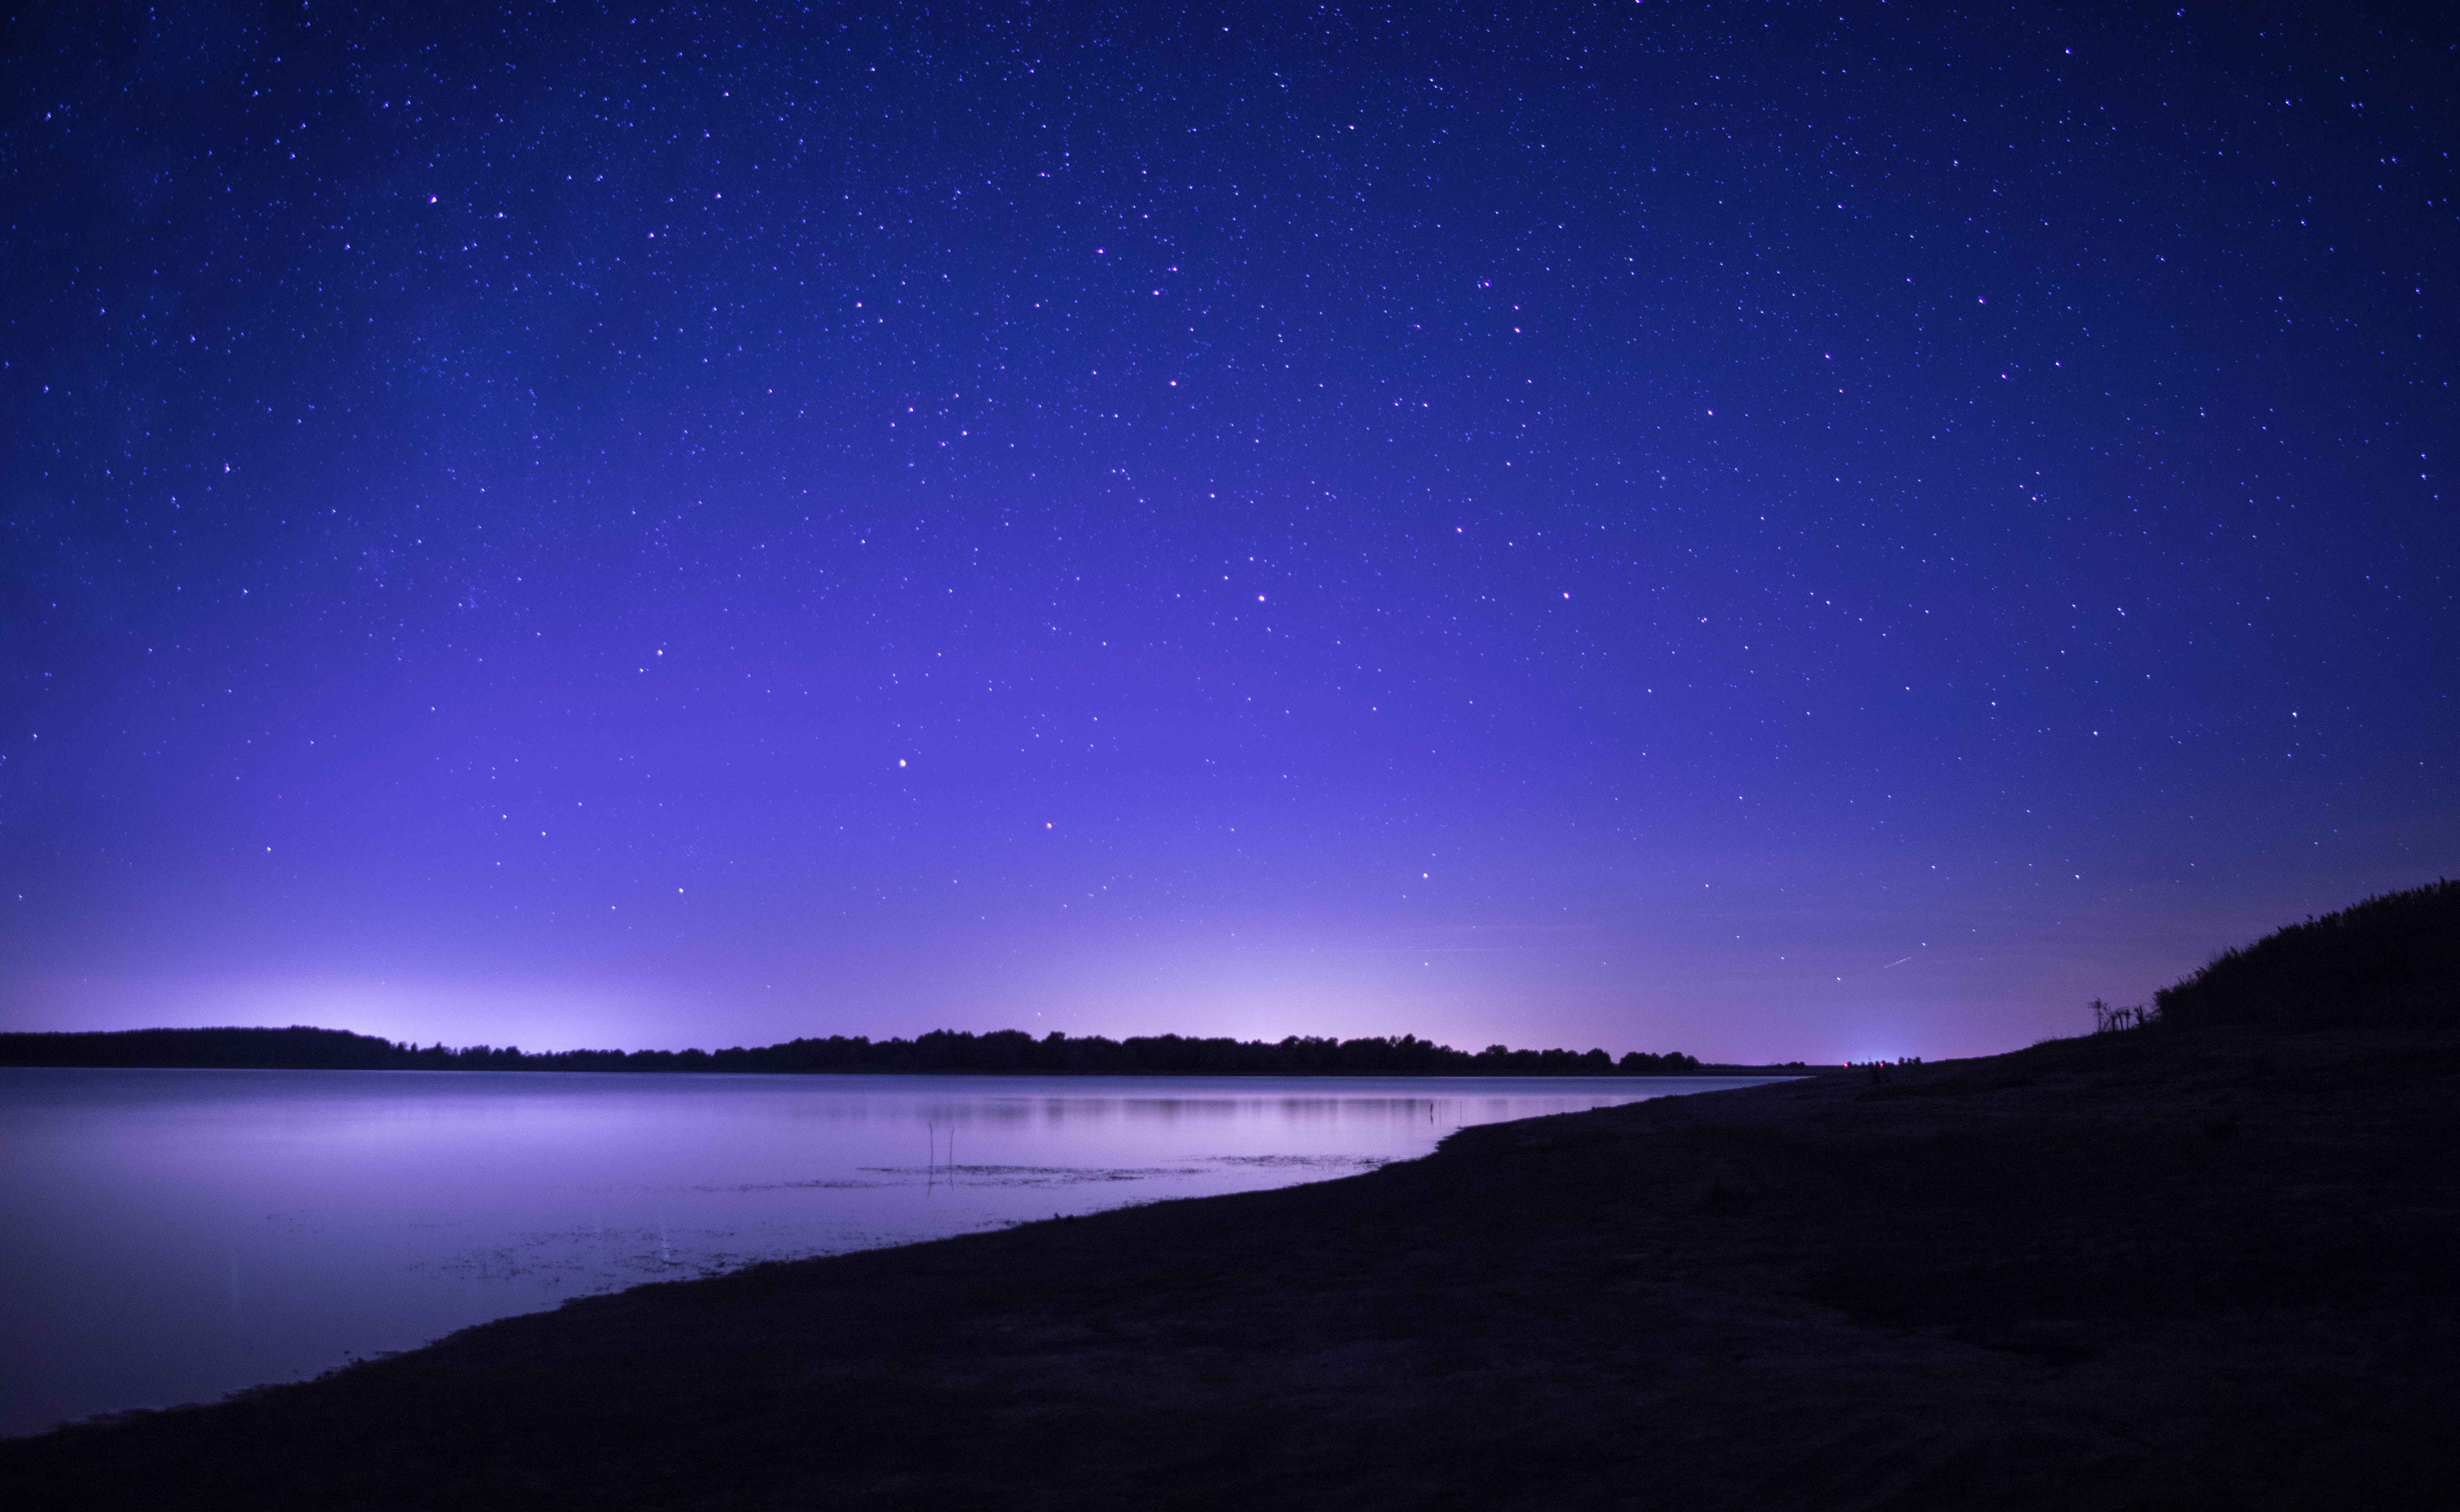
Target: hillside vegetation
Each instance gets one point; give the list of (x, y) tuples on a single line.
[(2392, 962)]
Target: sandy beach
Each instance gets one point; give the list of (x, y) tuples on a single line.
[(2210, 1268)]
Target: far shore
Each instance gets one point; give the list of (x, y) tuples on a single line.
[(1710, 1072), (301, 1047)]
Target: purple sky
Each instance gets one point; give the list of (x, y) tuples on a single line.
[(1765, 531)]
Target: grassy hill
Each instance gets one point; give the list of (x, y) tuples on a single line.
[(2392, 961)]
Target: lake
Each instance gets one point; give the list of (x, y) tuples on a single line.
[(177, 1235)]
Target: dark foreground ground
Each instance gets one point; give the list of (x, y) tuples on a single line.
[(2206, 1268)]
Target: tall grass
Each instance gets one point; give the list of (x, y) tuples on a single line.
[(2390, 961)]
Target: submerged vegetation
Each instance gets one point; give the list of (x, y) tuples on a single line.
[(1006, 1050)]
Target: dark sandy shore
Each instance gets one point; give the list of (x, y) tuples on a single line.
[(2201, 1269)]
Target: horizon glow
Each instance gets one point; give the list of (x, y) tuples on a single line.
[(1771, 535)]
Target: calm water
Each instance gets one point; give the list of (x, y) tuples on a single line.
[(175, 1235)]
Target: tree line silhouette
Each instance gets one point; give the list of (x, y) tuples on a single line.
[(1007, 1049)]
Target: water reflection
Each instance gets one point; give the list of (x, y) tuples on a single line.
[(174, 1235)]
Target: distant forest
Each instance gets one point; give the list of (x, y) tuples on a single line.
[(1006, 1050)]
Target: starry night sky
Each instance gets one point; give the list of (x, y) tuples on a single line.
[(1769, 530)]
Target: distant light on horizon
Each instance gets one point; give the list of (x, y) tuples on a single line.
[(1486, 548)]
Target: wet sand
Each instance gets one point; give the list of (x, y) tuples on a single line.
[(2208, 1268)]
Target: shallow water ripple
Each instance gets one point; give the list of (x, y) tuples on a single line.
[(178, 1235)]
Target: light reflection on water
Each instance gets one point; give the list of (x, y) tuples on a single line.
[(175, 1235)]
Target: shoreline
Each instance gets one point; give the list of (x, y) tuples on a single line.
[(2158, 1268)]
